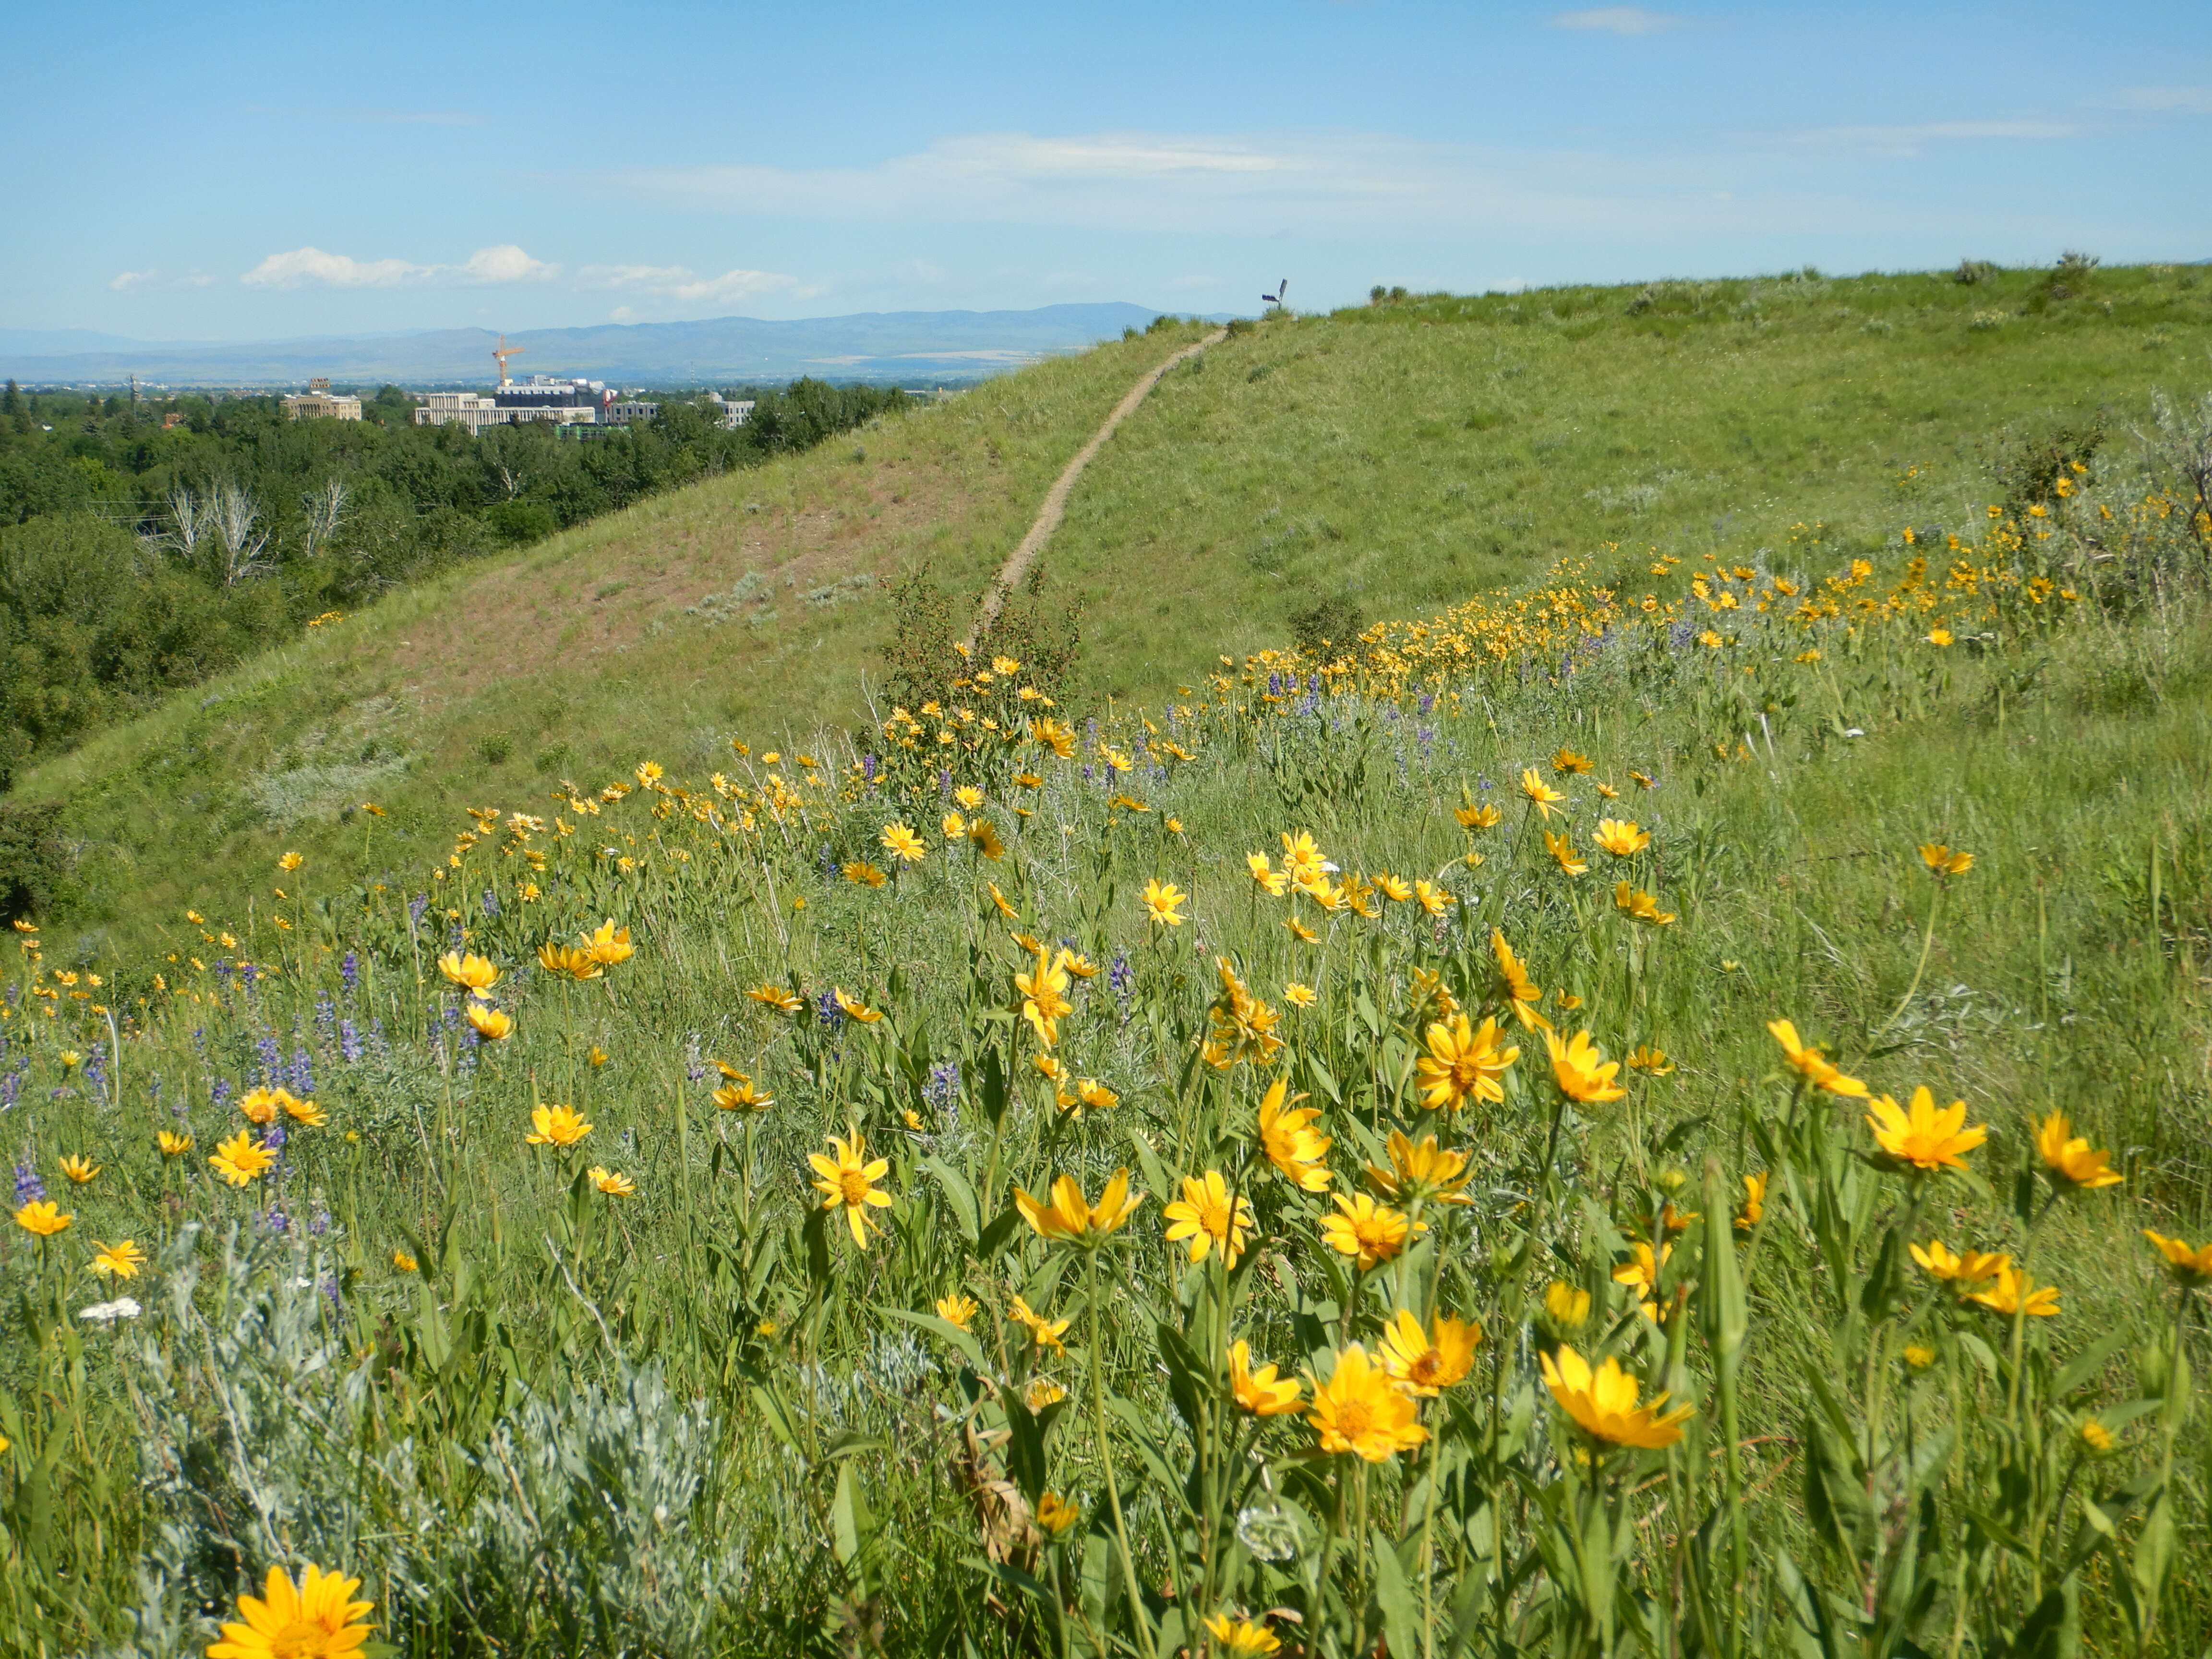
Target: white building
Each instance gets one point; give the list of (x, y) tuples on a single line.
[(323, 404), (468, 409)]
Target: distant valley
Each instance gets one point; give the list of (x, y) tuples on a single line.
[(911, 347)]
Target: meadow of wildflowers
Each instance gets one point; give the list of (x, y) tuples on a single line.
[(1585, 1125)]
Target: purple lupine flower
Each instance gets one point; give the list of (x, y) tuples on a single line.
[(276, 1221), (1274, 684), (95, 1070), (222, 974), (942, 1090), (303, 1073), (943, 779), (1428, 702), (828, 861), (450, 1015), (320, 1223), (326, 1019), (695, 1067), (10, 1086), (28, 1187), (416, 906), (331, 1290), (270, 1057), (827, 1011), (349, 1042), (491, 903), (219, 1093), (868, 768), (350, 970), (274, 1140)]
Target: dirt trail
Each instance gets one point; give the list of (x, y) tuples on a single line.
[(1055, 501)]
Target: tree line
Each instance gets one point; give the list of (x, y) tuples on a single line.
[(145, 546)]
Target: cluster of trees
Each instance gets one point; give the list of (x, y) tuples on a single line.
[(146, 545)]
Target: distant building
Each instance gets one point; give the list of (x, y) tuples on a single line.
[(735, 413), (468, 409), (321, 404), (569, 404)]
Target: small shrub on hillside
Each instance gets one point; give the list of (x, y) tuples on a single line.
[(1330, 622)]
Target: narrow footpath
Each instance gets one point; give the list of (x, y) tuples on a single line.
[(1055, 501)]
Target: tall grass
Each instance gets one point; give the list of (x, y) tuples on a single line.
[(538, 1413)]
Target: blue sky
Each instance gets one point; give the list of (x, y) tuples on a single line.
[(231, 171)]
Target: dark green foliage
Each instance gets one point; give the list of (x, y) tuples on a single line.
[(94, 627), (924, 627), (1043, 633), (2028, 471), (30, 854), (1332, 622), (116, 584)]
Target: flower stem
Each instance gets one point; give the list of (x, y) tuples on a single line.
[(1106, 1459)]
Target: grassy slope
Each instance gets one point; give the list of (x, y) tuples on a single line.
[(1410, 456), (568, 656), (1402, 456)]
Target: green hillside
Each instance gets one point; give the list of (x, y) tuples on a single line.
[(1588, 1124), (1375, 463)]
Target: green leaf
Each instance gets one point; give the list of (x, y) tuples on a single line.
[(1156, 1174), (962, 1341), (848, 1516), (2091, 1360), (1720, 1300), (2153, 1556), (958, 1194), (1322, 1078), (1401, 1618), (1594, 1558)]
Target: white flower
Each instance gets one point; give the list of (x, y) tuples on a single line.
[(106, 1313)]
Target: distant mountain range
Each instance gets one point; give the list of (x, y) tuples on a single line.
[(908, 346)]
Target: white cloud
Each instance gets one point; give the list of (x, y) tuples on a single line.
[(311, 264), (1318, 183), (304, 266), (2190, 100), (681, 283), (505, 263), (1911, 139), (126, 281), (1617, 20)]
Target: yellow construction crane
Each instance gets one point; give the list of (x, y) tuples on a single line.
[(503, 354)]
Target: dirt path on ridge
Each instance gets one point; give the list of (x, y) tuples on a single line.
[(1056, 500)]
